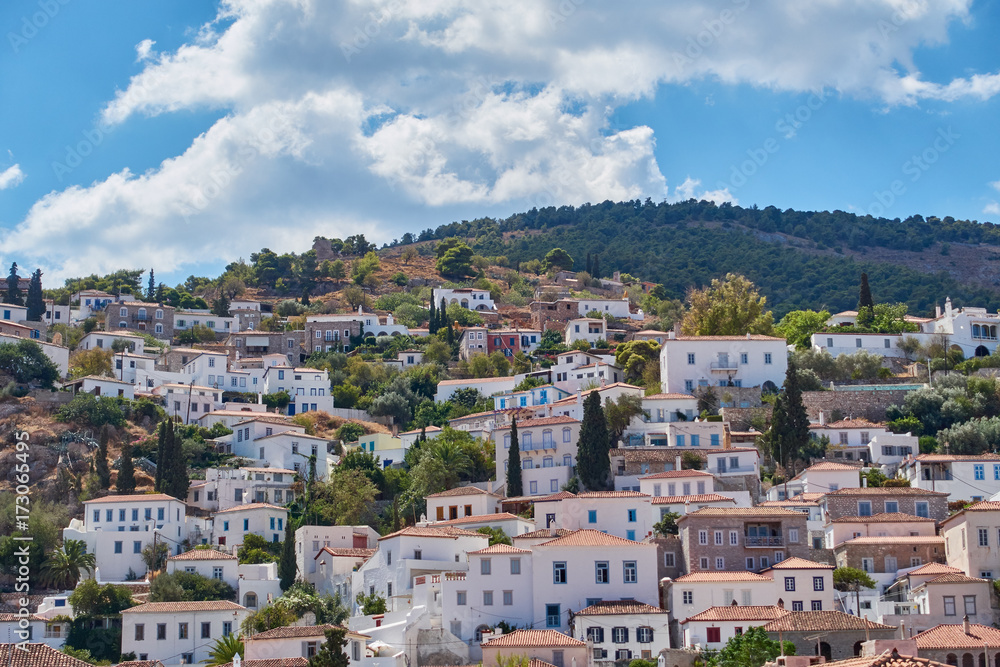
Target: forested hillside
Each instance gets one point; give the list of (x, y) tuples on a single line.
[(797, 259)]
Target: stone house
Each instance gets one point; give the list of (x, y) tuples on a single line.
[(887, 555), (152, 318), (841, 635), (960, 644), (869, 501), (742, 538)]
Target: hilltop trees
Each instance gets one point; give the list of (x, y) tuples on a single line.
[(729, 307), (454, 259), (558, 259)]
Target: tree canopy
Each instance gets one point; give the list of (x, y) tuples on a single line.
[(728, 307)]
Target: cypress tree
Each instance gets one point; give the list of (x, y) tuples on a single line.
[(126, 472), (451, 334), (151, 288), (590, 266), (593, 460), (36, 300), (443, 315), (175, 477), (432, 326), (789, 420), (161, 461), (515, 487), (13, 289), (286, 566), (159, 293), (865, 295), (101, 459), (597, 266)]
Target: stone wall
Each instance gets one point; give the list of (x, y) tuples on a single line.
[(851, 555), (846, 504), (741, 419), (870, 404), (841, 644)]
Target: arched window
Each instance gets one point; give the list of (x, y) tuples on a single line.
[(480, 631), (141, 313), (547, 462), (123, 312), (952, 659), (547, 438), (527, 464), (968, 660), (123, 325), (159, 314), (250, 600), (567, 434), (976, 331)]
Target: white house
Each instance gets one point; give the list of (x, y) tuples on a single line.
[(614, 307), (57, 354), (587, 566), (968, 477), (230, 526), (623, 630), (545, 394), (688, 362), (803, 585), (696, 592), (104, 340), (890, 449), (178, 632), (309, 388), (460, 502), (224, 488), (885, 524), (586, 328), (712, 628), (189, 401), (485, 386), (622, 513), (547, 450), (332, 569), (117, 528), (34, 629), (310, 540), (279, 444), (466, 297), (300, 641), (102, 386), (822, 477), (188, 319), (209, 563), (849, 438), (510, 524), (91, 302), (677, 483)]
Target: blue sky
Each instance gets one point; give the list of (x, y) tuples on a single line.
[(184, 135)]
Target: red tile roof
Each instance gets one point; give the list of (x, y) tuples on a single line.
[(479, 518), (37, 655), (883, 517), (562, 495), (849, 424), (738, 613), (696, 498), (947, 458), (886, 491), (721, 575), (544, 421), (612, 494), (816, 621), (983, 506), (203, 554), (499, 549), (133, 498), (272, 662), (180, 607), (462, 491), (672, 474), (431, 531), (910, 539), (744, 511), (886, 659), (724, 338), (796, 563), (832, 466), (533, 638), (954, 578), (612, 607), (954, 637), (932, 569), (590, 538), (670, 396), (544, 532), (345, 552)]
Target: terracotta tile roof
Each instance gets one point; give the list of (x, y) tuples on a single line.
[(291, 631), (983, 506), (886, 491), (37, 655), (141, 663), (612, 494), (954, 578), (946, 458), (831, 466), (883, 517), (253, 506), (479, 518), (14, 618), (298, 435), (134, 498), (697, 498), (544, 421), (203, 554), (670, 396), (849, 424), (475, 380), (533, 638), (721, 575), (179, 607), (544, 532), (911, 539), (429, 429), (673, 474), (611, 607), (448, 532), (739, 613), (790, 503), (932, 569), (814, 621), (462, 491), (796, 563), (743, 511), (499, 549), (562, 495), (272, 662), (954, 637), (590, 538), (886, 659), (345, 552)]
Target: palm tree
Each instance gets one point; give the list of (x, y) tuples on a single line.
[(454, 457), (224, 649), (62, 568)]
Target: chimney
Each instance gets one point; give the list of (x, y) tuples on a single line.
[(677, 463), (902, 629), (966, 628), (822, 418), (864, 482), (748, 335), (937, 312)]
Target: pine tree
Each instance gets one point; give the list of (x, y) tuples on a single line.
[(286, 566), (593, 460), (159, 293), (13, 289), (305, 296), (865, 295), (597, 266), (36, 299), (789, 431), (101, 459), (515, 487), (151, 288), (331, 653), (125, 484), (220, 306)]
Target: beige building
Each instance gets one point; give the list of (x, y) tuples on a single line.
[(550, 646), (972, 539)]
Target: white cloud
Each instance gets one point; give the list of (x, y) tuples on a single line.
[(993, 208), (398, 114), (995, 185), (11, 177)]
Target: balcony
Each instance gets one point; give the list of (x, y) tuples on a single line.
[(765, 542), (724, 366)]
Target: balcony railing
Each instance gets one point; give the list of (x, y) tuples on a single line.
[(764, 541), (724, 366)]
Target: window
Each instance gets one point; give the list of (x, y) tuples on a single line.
[(703, 562), (922, 509), (644, 635), (868, 564), (140, 632), (118, 547), (206, 630), (789, 583), (515, 566), (749, 563), (703, 537), (508, 598), (864, 508), (767, 357), (552, 615), (669, 559), (217, 573), (734, 538), (793, 535), (485, 566), (949, 605), (970, 604), (161, 631), (601, 574), (713, 635), (182, 630), (487, 598), (891, 506), (984, 538), (691, 358), (595, 635), (630, 572), (631, 516), (797, 606), (687, 597), (558, 658), (566, 437), (743, 357), (720, 563), (978, 471), (816, 605), (817, 583), (460, 598), (137, 547), (619, 635), (591, 516), (559, 573)]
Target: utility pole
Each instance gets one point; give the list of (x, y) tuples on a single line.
[(187, 419)]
